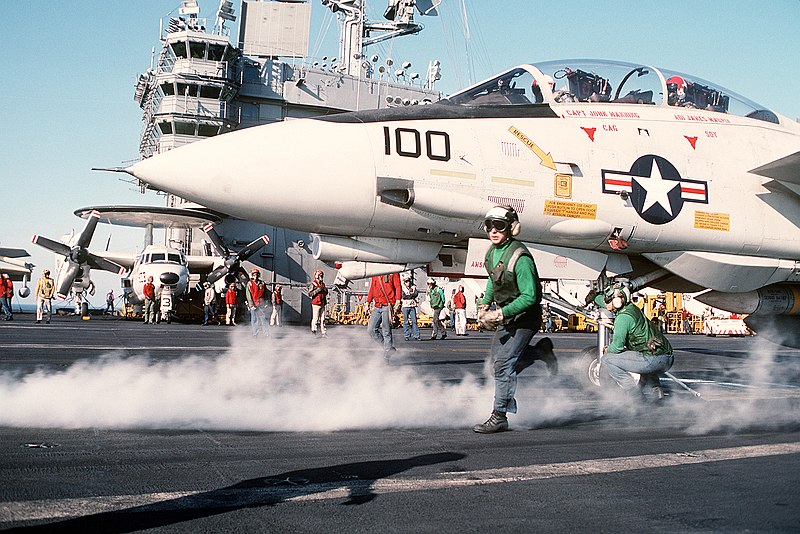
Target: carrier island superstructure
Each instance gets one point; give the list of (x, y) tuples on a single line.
[(200, 84)]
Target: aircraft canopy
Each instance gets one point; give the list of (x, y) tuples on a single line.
[(583, 80)]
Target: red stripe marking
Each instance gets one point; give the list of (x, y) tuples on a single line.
[(693, 190), (612, 181)]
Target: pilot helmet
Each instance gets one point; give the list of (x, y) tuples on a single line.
[(676, 90), (502, 218)]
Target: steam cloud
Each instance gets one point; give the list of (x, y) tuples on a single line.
[(298, 384), (292, 383)]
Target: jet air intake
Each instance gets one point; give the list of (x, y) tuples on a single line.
[(373, 249)]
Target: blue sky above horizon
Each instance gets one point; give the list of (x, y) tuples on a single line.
[(70, 76)]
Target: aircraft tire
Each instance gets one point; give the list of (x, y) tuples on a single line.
[(587, 367), (589, 376)]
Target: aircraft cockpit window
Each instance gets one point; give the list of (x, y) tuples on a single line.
[(600, 81), (585, 86), (157, 256), (690, 92), (687, 94), (174, 258), (510, 88)]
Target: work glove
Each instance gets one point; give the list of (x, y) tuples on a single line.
[(490, 319), (606, 321), (482, 309)]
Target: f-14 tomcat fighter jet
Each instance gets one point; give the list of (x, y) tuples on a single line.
[(615, 170)]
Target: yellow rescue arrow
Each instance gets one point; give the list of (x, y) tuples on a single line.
[(546, 160)]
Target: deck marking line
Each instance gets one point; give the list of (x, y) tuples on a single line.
[(234, 498)]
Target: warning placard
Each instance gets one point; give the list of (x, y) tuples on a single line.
[(712, 221), (573, 210)]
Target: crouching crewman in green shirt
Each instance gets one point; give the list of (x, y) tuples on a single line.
[(637, 346), (514, 287)]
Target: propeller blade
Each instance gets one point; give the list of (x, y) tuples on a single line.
[(216, 240), (88, 230), (66, 280), (252, 248), (216, 274), (53, 246), (97, 262)]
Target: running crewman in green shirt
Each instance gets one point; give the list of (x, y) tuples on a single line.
[(515, 289)]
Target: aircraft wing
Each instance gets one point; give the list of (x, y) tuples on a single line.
[(13, 252), (786, 169)]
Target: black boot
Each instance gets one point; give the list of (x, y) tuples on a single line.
[(497, 422), (543, 350), (651, 388)]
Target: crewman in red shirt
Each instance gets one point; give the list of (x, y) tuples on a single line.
[(385, 293)]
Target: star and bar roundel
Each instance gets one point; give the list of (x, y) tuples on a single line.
[(656, 188)]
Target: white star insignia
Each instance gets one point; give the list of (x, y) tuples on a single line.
[(656, 189)]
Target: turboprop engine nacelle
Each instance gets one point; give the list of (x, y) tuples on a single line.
[(373, 249)]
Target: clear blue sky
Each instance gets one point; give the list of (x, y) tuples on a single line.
[(70, 71)]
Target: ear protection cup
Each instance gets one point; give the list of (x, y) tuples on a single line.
[(617, 302), (515, 228)]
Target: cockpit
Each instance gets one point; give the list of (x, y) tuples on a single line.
[(162, 257), (599, 81)]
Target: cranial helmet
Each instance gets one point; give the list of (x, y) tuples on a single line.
[(618, 295), (318, 273), (506, 214)]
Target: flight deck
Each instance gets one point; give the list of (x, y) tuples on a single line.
[(114, 426)]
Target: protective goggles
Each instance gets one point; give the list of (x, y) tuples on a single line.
[(498, 224)]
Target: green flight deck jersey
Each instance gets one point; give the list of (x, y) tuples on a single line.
[(514, 284)]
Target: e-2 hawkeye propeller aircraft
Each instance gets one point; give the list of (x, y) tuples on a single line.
[(615, 169), (169, 267), (16, 269), (73, 271)]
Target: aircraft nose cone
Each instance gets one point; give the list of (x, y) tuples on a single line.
[(310, 175), (169, 279)]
